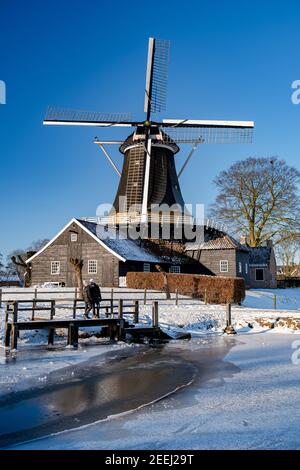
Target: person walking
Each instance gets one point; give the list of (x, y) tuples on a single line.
[(92, 298)]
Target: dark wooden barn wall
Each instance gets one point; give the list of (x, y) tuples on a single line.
[(85, 248)]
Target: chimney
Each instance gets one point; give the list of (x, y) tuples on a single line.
[(243, 240)]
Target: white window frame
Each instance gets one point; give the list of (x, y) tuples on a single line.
[(146, 268), (74, 237), (240, 267), (222, 270), (246, 268), (55, 268), (174, 269), (263, 271), (92, 266)]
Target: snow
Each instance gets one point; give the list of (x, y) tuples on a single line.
[(191, 315), (250, 402)]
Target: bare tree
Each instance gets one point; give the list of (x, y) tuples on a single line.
[(287, 254), (19, 267), (19, 262), (258, 198), (166, 288), (77, 265)]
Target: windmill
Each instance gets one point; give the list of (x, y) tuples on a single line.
[(149, 176)]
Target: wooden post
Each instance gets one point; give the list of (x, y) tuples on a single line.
[(155, 314), (52, 311), (51, 336), (34, 302), (228, 315), (120, 309), (15, 314), (112, 302), (0, 298), (136, 311), (7, 311), (205, 296), (229, 328), (70, 333), (145, 296), (120, 331), (7, 334), (176, 298), (275, 301), (75, 336), (15, 327), (74, 308)]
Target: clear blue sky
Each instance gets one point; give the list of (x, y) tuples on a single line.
[(229, 60)]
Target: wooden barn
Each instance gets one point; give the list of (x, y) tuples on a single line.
[(223, 256), (263, 270), (107, 256)]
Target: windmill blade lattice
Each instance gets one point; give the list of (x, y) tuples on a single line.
[(208, 135), (66, 115)]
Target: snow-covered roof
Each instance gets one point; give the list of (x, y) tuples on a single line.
[(9, 278), (117, 242), (222, 243)]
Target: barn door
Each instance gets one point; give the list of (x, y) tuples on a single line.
[(107, 271)]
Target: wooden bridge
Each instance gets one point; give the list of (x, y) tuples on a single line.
[(113, 324)]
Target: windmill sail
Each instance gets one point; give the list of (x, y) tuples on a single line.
[(208, 132), (157, 76), (75, 117)]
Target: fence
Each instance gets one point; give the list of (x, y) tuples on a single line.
[(73, 295)]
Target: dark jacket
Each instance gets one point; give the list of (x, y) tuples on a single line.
[(92, 293)]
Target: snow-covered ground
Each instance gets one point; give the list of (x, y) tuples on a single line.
[(249, 401), (191, 315)]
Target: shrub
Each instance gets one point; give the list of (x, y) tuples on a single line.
[(213, 289)]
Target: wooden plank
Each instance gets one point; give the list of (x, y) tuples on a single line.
[(40, 324)]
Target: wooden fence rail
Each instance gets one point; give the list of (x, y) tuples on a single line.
[(116, 327)]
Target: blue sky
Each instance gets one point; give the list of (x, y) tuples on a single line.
[(229, 60)]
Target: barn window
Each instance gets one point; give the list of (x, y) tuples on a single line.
[(224, 266), (92, 266), (55, 267), (74, 237), (259, 274), (146, 268), (240, 267), (174, 269)]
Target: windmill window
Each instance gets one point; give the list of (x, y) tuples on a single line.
[(146, 268), (55, 268), (259, 275), (92, 266), (224, 266), (74, 237), (174, 269)]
